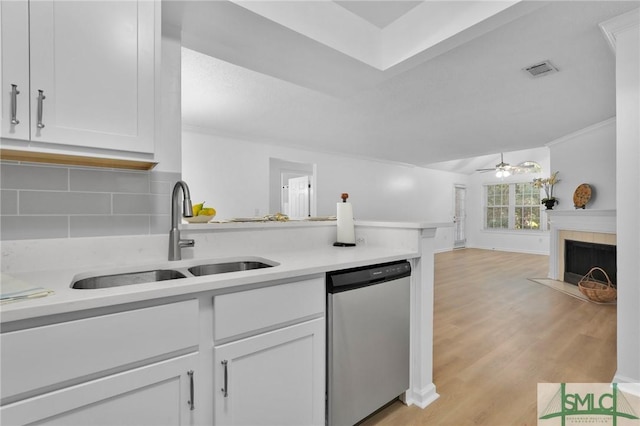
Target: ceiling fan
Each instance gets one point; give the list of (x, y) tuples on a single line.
[(503, 169)]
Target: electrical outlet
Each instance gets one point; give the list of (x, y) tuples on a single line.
[(361, 241)]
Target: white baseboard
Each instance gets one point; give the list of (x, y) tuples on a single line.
[(512, 250), (443, 250), (421, 398)]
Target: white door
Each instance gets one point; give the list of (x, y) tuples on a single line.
[(93, 61), (275, 378), (299, 197), (460, 216)]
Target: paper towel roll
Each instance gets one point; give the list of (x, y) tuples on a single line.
[(344, 217)]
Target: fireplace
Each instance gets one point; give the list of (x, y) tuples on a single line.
[(581, 256), (586, 226)]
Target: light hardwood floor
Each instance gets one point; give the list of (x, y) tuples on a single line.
[(497, 335)]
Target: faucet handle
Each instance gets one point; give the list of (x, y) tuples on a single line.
[(186, 243)]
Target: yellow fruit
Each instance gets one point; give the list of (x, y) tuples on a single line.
[(207, 211), (197, 208)]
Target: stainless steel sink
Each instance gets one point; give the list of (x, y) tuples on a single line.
[(105, 281), (221, 268), (178, 271)]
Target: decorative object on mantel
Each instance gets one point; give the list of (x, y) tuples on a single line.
[(596, 290), (548, 183), (581, 196)]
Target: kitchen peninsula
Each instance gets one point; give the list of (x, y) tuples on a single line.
[(182, 339)]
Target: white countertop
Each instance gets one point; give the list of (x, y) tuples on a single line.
[(290, 265), (226, 225)]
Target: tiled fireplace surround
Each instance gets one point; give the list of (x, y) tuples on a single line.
[(596, 226)]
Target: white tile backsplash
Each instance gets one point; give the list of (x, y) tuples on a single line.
[(109, 181), (34, 227), (32, 176), (55, 202), (8, 201), (46, 201), (101, 226)]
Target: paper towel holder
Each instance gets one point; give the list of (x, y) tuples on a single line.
[(344, 197)]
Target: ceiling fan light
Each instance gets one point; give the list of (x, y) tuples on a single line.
[(503, 173)]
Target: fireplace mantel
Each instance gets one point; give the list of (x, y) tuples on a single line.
[(587, 221)]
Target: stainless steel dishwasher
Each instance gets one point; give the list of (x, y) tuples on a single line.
[(367, 340)]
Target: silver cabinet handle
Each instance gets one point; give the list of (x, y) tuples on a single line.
[(191, 401), (14, 104), (41, 97), (226, 377)]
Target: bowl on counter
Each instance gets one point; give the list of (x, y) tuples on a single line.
[(199, 219)]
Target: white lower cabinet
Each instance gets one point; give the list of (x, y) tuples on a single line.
[(157, 394), (155, 365), (123, 368), (275, 378), (269, 355)]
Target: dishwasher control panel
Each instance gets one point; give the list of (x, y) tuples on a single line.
[(358, 277)]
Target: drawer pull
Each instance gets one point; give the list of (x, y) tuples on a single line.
[(191, 401), (14, 104), (41, 97), (226, 379)]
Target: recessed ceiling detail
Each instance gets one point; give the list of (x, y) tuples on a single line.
[(421, 27), (379, 12)]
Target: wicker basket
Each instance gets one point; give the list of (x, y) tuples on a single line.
[(595, 290)]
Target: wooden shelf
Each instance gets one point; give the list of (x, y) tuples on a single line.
[(75, 160)]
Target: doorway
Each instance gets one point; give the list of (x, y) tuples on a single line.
[(292, 188), (459, 216), (296, 200)]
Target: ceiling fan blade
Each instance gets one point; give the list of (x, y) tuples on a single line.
[(485, 170)]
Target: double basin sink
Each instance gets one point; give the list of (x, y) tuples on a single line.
[(155, 275)]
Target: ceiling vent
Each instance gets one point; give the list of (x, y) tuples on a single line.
[(543, 68)]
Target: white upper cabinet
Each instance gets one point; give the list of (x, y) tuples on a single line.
[(15, 69), (84, 70)]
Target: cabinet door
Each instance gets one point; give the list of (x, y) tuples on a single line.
[(14, 32), (94, 63), (158, 394), (276, 378)]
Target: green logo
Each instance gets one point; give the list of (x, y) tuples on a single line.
[(585, 402)]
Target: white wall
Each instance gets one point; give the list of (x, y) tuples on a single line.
[(587, 156), (536, 242), (233, 177), (168, 101), (625, 31)]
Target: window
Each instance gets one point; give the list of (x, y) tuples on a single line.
[(527, 206), (497, 206), (513, 206)]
